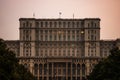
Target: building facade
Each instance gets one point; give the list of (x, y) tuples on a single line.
[(60, 49)]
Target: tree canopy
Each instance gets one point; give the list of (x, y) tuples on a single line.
[(108, 68), (10, 69)]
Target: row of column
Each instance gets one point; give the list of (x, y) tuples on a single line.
[(60, 36), (72, 71)]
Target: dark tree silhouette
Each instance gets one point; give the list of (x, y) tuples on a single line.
[(10, 69), (108, 68)]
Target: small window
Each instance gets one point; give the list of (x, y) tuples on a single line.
[(73, 37), (59, 24), (77, 24), (37, 24), (64, 24), (64, 37), (68, 31), (68, 37), (41, 24), (46, 24), (50, 24), (73, 32), (23, 24), (88, 25), (46, 31), (73, 24), (55, 24), (41, 31), (55, 37), (46, 37), (95, 25), (92, 24), (68, 24), (92, 37), (27, 24), (50, 37)]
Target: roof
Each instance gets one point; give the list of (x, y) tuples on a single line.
[(54, 19)]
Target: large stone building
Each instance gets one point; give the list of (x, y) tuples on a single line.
[(60, 49)]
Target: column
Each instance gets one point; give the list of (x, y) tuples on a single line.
[(52, 70), (76, 71), (80, 71), (43, 71), (47, 71), (48, 35), (75, 36), (38, 71), (66, 35), (88, 69), (32, 68), (43, 35), (71, 70), (57, 35), (66, 71), (70, 35)]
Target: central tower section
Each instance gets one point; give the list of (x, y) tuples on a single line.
[(60, 49), (59, 37)]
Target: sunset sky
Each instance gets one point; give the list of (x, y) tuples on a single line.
[(12, 10)]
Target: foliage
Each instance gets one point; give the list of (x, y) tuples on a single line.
[(108, 68), (10, 69)]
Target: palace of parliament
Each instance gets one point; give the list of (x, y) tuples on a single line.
[(60, 49)]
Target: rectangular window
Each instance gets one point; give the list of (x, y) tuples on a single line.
[(91, 37), (50, 37), (59, 37), (41, 24), (68, 24), (64, 37), (46, 24), (88, 25), (73, 37), (77, 24), (55, 24), (77, 37), (68, 37), (55, 37), (64, 24), (46, 37), (41, 38), (50, 24), (68, 52)]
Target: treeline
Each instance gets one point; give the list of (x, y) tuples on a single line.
[(10, 69)]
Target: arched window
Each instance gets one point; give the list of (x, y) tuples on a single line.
[(40, 69), (35, 69), (45, 69), (73, 69), (78, 69), (50, 69), (83, 69)]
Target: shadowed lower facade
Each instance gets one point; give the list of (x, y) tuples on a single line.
[(60, 49)]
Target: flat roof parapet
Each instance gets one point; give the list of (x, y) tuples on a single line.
[(59, 19)]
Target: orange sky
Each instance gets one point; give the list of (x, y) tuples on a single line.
[(107, 10)]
